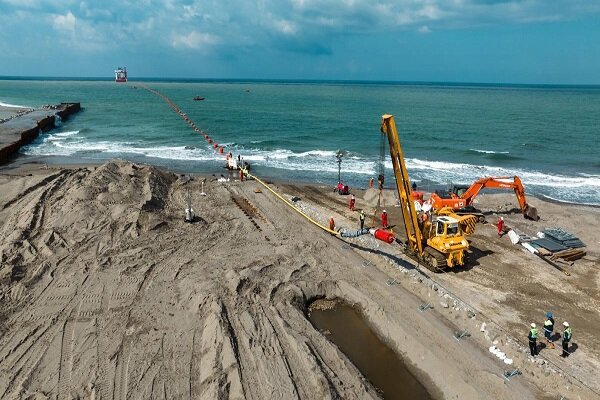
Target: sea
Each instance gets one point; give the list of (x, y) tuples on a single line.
[(293, 130)]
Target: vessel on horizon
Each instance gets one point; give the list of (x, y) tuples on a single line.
[(121, 74)]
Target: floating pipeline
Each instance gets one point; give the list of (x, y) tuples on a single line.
[(219, 149)]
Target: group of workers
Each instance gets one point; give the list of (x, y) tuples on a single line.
[(548, 333), (361, 216)]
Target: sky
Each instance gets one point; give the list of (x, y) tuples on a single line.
[(496, 41)]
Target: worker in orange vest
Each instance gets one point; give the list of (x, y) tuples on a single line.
[(352, 202), (384, 219), (331, 224), (500, 226)]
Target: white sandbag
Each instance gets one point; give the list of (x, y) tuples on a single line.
[(514, 238), (529, 247)]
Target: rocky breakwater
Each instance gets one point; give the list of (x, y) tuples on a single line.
[(25, 127)]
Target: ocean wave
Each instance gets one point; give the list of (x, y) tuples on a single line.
[(440, 171), (489, 151), (2, 104), (578, 188), (61, 135)]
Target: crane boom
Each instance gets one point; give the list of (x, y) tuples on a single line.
[(411, 225)]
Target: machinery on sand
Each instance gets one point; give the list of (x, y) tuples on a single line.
[(461, 198), (437, 239)]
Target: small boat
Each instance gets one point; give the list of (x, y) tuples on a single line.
[(198, 98)]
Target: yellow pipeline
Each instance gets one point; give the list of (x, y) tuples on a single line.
[(290, 204)]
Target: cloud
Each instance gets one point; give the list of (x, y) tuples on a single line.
[(64, 22), (286, 27), (193, 40), (239, 26)]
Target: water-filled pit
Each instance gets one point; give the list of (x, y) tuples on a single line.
[(344, 326)]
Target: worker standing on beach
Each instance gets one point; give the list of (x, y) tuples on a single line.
[(548, 329), (361, 218), (352, 202), (500, 226), (532, 336), (567, 335), (384, 219)]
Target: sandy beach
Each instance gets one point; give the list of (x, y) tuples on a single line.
[(107, 293)]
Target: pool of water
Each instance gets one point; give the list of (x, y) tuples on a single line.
[(345, 327)]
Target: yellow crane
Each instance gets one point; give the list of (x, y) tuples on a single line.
[(438, 240)]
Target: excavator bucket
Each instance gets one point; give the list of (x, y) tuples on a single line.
[(530, 212)]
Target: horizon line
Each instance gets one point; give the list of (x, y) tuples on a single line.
[(298, 80)]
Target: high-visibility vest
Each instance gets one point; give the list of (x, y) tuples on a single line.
[(533, 334)]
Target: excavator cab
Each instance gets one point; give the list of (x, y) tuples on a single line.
[(459, 190)]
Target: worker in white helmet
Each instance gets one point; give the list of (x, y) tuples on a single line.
[(566, 338), (384, 219), (532, 336)]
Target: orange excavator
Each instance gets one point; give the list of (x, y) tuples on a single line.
[(461, 198)]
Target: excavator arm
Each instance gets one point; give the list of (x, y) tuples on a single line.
[(413, 233), (501, 183)]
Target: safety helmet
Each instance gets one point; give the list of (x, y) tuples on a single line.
[(549, 315), (565, 323), (533, 325)]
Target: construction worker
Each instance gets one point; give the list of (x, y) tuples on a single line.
[(566, 338), (331, 224), (500, 226), (532, 336), (384, 219), (352, 202), (361, 218), (548, 329)]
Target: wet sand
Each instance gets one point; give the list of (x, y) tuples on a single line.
[(106, 292)]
